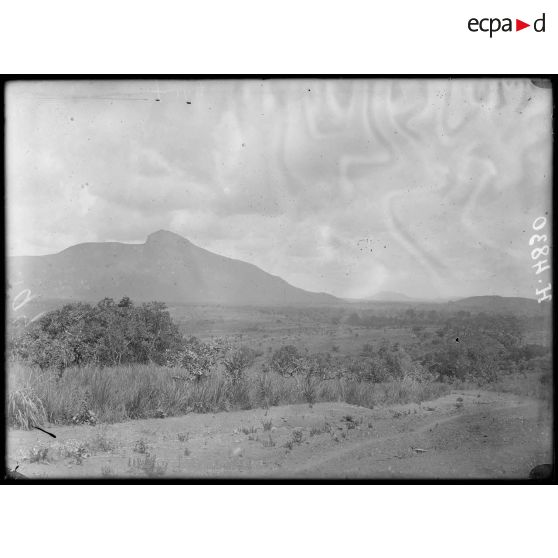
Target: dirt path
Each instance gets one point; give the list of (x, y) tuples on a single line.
[(467, 434), (463, 445)]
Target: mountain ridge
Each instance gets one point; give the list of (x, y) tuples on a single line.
[(166, 267), (391, 296)]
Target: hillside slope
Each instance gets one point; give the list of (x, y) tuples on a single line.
[(167, 267)]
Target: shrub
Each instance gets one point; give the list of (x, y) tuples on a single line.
[(38, 454), (308, 388), (265, 394), (236, 363), (149, 465), (286, 360), (297, 436), (316, 431), (196, 358), (245, 430), (76, 450), (106, 471), (371, 369), (101, 443), (105, 334), (141, 446), (85, 415)]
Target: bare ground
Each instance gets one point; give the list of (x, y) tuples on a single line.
[(485, 435)]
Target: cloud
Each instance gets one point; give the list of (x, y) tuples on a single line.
[(440, 179)]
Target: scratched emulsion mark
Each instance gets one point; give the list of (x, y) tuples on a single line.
[(452, 151), (19, 301), (459, 153), (408, 142)]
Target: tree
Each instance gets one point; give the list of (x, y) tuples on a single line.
[(106, 334), (354, 319), (125, 302), (106, 303)]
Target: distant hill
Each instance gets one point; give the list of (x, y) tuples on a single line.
[(502, 305), (388, 296), (491, 304), (167, 267)]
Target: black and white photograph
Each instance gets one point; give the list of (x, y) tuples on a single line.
[(329, 278)]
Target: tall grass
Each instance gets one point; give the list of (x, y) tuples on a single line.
[(537, 385), (25, 409), (121, 393)]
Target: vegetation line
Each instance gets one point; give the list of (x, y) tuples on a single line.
[(83, 364)]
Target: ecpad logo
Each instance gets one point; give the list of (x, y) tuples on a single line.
[(493, 25)]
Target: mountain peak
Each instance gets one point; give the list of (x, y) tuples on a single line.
[(166, 237), (167, 267)]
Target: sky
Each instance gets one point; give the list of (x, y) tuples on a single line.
[(351, 187)]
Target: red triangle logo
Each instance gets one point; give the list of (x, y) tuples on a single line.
[(519, 25)]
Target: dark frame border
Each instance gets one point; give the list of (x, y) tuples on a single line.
[(6, 78)]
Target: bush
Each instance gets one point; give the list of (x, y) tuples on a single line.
[(149, 465), (286, 361), (106, 334), (195, 357), (237, 362), (265, 394), (371, 369)]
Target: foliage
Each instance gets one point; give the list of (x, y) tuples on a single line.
[(38, 454), (107, 334), (286, 360), (236, 363), (265, 393), (297, 436), (85, 415), (194, 357), (111, 362), (76, 450), (141, 446), (149, 465)]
